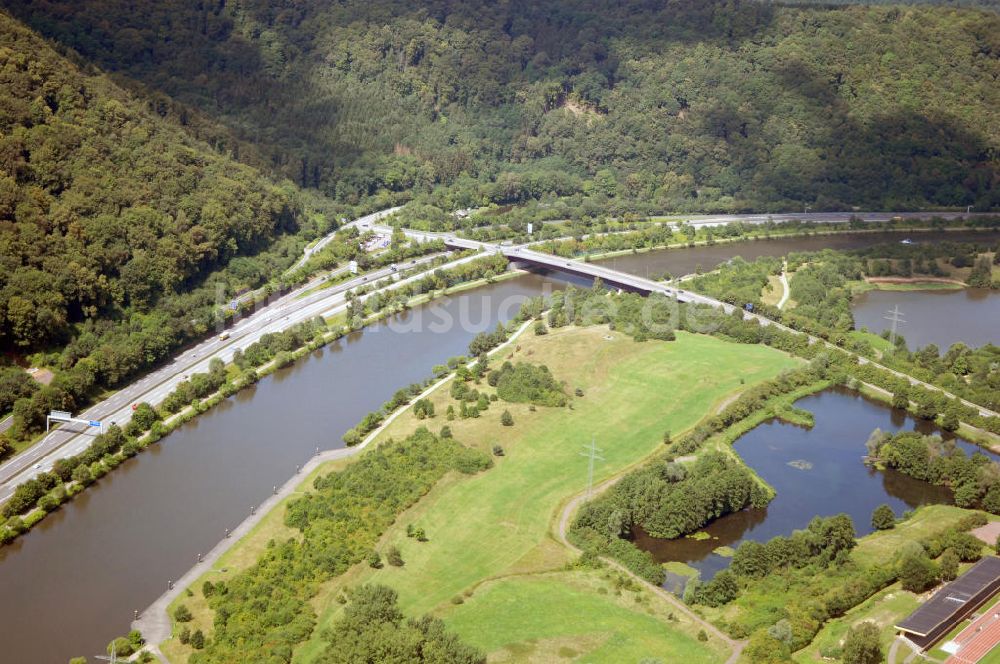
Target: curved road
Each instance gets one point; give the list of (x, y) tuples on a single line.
[(361, 222)]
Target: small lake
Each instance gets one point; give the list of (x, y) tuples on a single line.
[(930, 315), (942, 317), (815, 472)]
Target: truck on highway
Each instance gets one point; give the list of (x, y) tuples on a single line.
[(223, 336)]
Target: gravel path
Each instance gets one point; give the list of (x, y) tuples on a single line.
[(710, 629), (155, 623)]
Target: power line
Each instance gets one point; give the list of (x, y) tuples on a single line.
[(113, 659), (896, 316), (591, 452)]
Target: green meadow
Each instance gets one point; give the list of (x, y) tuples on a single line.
[(491, 536)]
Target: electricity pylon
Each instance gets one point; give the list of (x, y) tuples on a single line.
[(896, 316), (591, 452)]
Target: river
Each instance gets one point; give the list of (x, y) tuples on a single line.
[(72, 584)]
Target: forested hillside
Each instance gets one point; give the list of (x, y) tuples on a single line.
[(678, 105), (111, 221)]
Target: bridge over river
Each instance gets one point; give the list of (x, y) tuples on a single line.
[(523, 255)]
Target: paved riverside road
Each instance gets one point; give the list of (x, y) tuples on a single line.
[(285, 312), (292, 309)]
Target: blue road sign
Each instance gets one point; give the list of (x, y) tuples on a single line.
[(94, 424), (234, 305)]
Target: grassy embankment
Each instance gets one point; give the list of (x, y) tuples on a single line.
[(491, 567)]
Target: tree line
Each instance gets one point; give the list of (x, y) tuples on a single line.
[(265, 611), (632, 108), (822, 288)]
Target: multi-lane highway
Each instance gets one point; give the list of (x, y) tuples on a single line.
[(285, 312), (296, 307), (823, 217)]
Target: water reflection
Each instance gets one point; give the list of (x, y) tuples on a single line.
[(815, 472)]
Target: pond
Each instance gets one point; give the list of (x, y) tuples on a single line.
[(815, 472), (942, 317)]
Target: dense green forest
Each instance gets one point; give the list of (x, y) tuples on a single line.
[(117, 228), (678, 105), (153, 149), (105, 207)]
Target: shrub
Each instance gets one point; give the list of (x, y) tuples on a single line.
[(122, 646), (527, 383), (917, 573), (507, 419), (394, 556), (883, 518), (948, 565), (722, 589), (862, 645), (182, 613)]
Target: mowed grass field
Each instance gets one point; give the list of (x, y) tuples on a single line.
[(491, 535)]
